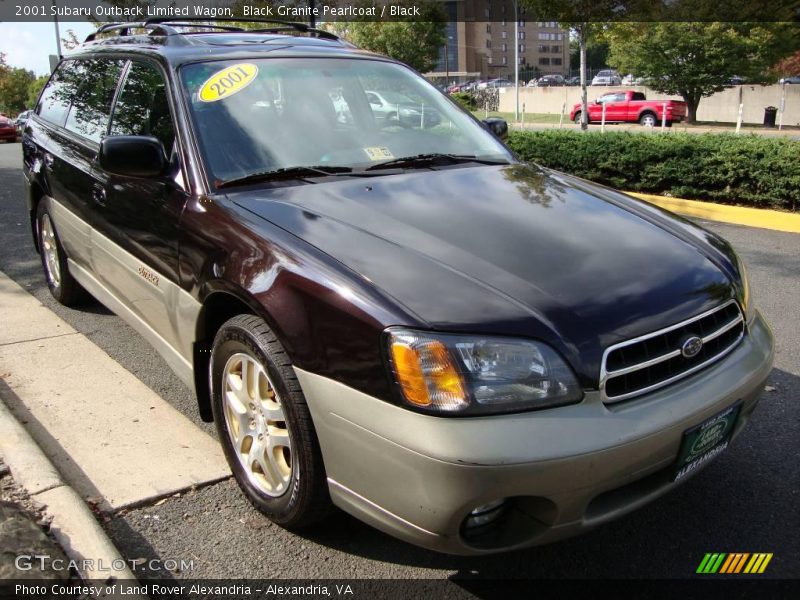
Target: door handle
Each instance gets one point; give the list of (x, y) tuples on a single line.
[(99, 195)]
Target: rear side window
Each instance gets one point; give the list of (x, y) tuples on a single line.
[(91, 105), (638, 96), (58, 94), (142, 106)]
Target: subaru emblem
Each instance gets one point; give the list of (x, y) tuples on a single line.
[(692, 346)]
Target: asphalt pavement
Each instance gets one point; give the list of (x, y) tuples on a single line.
[(748, 500)]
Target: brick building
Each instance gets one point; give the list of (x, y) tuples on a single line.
[(480, 42)]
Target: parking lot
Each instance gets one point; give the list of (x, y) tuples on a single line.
[(746, 501)]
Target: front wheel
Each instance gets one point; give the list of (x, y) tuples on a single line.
[(265, 426), (577, 119)]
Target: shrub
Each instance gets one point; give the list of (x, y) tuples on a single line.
[(747, 170), (467, 101)]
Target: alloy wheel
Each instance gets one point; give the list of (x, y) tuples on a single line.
[(256, 424), (50, 250)]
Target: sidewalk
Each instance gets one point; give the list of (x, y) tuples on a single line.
[(73, 525), (82, 435)]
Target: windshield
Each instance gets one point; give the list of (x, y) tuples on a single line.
[(262, 115)]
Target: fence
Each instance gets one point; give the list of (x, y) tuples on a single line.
[(722, 107)]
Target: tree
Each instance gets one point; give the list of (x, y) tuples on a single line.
[(70, 40), (596, 54), (788, 66), (34, 89), (416, 43), (14, 84), (584, 18), (695, 60)]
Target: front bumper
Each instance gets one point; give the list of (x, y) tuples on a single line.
[(564, 470)]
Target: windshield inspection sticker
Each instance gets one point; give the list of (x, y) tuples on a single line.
[(228, 81), (378, 153)]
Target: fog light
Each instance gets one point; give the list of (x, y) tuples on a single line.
[(483, 515)]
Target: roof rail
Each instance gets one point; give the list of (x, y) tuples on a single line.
[(166, 26), (282, 25)]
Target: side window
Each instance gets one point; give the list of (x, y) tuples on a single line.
[(58, 94), (638, 96), (91, 104), (142, 107)]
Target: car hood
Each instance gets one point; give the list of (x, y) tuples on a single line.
[(514, 250)]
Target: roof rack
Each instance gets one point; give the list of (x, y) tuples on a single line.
[(165, 26)]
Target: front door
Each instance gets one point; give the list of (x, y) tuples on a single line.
[(135, 245)]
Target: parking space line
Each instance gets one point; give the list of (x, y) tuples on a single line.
[(111, 435)]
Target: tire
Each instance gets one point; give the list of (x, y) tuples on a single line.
[(60, 282), (284, 476), (577, 118), (648, 119)]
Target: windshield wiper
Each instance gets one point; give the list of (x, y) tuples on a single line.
[(422, 160), (286, 173)]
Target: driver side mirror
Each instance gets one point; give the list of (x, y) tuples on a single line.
[(497, 126), (132, 156)]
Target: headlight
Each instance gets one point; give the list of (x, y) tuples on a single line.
[(464, 374), (747, 300)]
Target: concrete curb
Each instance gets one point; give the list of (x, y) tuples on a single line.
[(73, 524), (737, 215)]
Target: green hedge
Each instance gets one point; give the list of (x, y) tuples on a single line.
[(747, 170), (466, 100)]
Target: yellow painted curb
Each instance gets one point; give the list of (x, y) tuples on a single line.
[(738, 215)]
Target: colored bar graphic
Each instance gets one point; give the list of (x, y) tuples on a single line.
[(718, 563), (740, 563), (734, 563), (729, 563), (764, 564), (703, 563), (753, 564)]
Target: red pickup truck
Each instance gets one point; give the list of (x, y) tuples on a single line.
[(630, 107)]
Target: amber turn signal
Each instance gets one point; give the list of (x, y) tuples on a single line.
[(426, 373)]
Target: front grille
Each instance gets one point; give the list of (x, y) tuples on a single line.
[(654, 360)]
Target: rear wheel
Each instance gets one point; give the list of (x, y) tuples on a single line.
[(62, 285), (577, 119), (648, 120), (265, 426)]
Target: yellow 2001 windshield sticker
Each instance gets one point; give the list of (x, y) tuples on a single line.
[(228, 82), (378, 153)]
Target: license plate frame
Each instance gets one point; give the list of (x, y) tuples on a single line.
[(704, 441)]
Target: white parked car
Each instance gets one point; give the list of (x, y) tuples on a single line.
[(607, 77)]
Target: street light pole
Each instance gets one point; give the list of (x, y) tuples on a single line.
[(446, 65), (516, 60), (58, 34)]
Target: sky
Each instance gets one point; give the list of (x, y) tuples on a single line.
[(28, 44)]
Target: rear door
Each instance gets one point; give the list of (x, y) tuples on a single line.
[(73, 114), (135, 235)]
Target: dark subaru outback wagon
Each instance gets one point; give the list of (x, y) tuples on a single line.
[(378, 304)]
